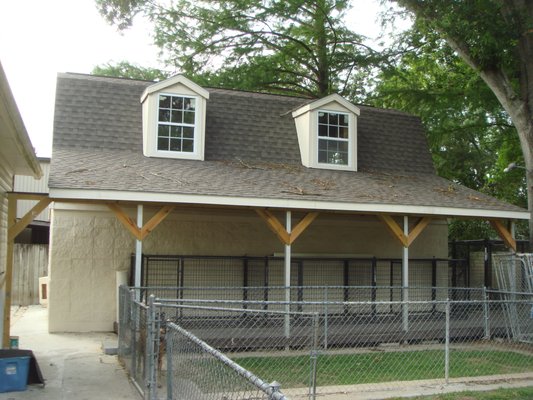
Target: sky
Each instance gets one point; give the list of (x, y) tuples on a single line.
[(41, 38)]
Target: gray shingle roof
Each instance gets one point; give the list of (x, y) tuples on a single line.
[(251, 151)]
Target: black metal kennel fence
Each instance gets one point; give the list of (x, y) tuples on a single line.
[(246, 272)]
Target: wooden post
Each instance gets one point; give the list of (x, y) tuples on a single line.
[(8, 279)]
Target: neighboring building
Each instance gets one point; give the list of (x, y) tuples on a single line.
[(212, 170), (38, 231), (16, 157)]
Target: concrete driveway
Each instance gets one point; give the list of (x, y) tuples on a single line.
[(73, 365)]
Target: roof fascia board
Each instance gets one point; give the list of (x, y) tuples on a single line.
[(17, 130), (156, 87), (111, 195), (325, 100)]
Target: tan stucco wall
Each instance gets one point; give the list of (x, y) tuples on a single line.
[(88, 247)]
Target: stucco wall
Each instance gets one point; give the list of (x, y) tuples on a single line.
[(88, 247)]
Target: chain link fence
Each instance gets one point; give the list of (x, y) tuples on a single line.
[(231, 349)]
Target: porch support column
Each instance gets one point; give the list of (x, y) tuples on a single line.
[(288, 227), (138, 251), (405, 276), (7, 283)]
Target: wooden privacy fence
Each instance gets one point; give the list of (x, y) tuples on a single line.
[(30, 262)]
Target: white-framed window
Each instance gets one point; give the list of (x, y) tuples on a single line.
[(333, 135), (176, 123)]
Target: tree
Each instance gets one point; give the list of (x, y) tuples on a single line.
[(124, 69), (495, 39), (466, 124), (298, 47)]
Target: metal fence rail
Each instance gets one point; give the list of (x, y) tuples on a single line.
[(196, 370), (332, 343)]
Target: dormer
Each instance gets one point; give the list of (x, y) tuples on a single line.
[(173, 114), (327, 133)]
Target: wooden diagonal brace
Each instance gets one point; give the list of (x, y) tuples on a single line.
[(274, 225), (280, 231), (397, 231), (155, 220), (125, 219), (129, 223), (504, 233), (27, 219), (302, 226), (417, 230)]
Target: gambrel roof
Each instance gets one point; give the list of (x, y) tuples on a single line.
[(251, 157)]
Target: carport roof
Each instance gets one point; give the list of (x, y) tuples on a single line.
[(251, 158)]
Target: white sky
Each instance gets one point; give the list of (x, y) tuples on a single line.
[(39, 38)]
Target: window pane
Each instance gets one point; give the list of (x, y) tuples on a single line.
[(322, 130), (333, 131), (323, 144), (188, 132), (175, 131), (177, 103), (188, 145), (164, 101), (322, 118), (163, 130), (342, 146), (322, 156), (176, 117), (188, 117), (333, 119), (175, 144), (162, 144), (164, 115), (339, 158), (343, 132), (344, 120), (189, 104)]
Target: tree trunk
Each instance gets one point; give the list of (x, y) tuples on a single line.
[(322, 49)]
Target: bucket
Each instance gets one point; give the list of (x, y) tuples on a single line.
[(13, 342), (14, 374)]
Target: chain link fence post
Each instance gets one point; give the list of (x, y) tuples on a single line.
[(447, 344), (169, 350), (152, 339), (486, 311), (325, 318), (134, 328), (314, 357)]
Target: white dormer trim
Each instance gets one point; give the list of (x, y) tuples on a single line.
[(307, 126), (175, 80), (178, 88)]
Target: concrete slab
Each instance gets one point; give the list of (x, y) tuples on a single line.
[(74, 365)]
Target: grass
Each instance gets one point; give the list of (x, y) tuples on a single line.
[(501, 394), (376, 367)]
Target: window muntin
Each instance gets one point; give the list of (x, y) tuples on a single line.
[(176, 123), (333, 138)]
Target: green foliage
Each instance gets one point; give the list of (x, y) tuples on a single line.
[(495, 40), (124, 69), (471, 137), (296, 47)]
